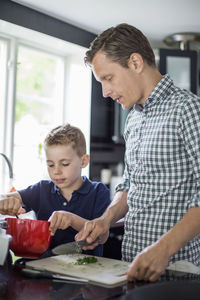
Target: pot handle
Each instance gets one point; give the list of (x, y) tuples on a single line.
[(3, 224)]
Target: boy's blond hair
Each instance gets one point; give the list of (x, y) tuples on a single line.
[(67, 135)]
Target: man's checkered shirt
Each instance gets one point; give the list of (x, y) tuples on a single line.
[(162, 168)]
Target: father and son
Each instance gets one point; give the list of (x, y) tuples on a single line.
[(159, 196)]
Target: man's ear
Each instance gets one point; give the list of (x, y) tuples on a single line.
[(136, 62), (85, 160)]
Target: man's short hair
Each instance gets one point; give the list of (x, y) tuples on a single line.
[(119, 42)]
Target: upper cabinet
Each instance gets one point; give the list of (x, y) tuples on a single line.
[(107, 118), (182, 66)]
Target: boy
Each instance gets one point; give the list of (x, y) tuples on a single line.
[(68, 200)]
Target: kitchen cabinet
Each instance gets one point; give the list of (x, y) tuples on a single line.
[(105, 156), (112, 247), (107, 125), (107, 118), (183, 67), (102, 115)]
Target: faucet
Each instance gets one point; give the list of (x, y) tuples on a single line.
[(9, 165)]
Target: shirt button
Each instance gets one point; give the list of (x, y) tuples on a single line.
[(64, 203)]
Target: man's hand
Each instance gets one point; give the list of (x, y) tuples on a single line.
[(11, 205), (149, 264), (92, 230), (153, 260)]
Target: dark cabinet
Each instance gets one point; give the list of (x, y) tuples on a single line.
[(182, 66), (102, 115), (112, 247), (107, 125), (107, 118)]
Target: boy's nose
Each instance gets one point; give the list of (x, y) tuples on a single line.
[(57, 170)]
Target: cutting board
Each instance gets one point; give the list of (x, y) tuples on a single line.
[(105, 272)]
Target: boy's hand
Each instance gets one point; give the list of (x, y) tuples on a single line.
[(59, 220), (11, 205)]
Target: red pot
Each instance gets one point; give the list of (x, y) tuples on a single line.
[(30, 238)]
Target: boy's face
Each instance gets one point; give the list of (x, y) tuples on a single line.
[(64, 166)]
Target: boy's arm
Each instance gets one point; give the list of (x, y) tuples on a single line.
[(11, 204), (63, 219)]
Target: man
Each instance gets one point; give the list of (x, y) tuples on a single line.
[(160, 192)]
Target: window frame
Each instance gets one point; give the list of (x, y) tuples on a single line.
[(9, 100)]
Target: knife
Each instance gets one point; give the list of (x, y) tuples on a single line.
[(73, 247), (45, 274), (184, 266)]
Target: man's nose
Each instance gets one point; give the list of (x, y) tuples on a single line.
[(106, 91)]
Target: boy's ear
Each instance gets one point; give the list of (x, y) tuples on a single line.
[(85, 160)]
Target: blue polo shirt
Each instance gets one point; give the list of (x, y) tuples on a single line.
[(89, 202)]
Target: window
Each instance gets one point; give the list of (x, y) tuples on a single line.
[(39, 102), (3, 79), (3, 76), (45, 84)]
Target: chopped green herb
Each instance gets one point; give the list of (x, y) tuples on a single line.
[(86, 260)]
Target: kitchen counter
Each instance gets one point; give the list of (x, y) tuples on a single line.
[(13, 285)]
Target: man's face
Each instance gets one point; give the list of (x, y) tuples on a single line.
[(121, 84)]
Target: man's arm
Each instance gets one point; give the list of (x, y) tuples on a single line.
[(152, 261), (100, 227), (117, 209)]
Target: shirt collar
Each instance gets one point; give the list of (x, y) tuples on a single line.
[(138, 107), (84, 189), (160, 92)]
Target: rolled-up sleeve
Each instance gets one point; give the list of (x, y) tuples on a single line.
[(124, 185)]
